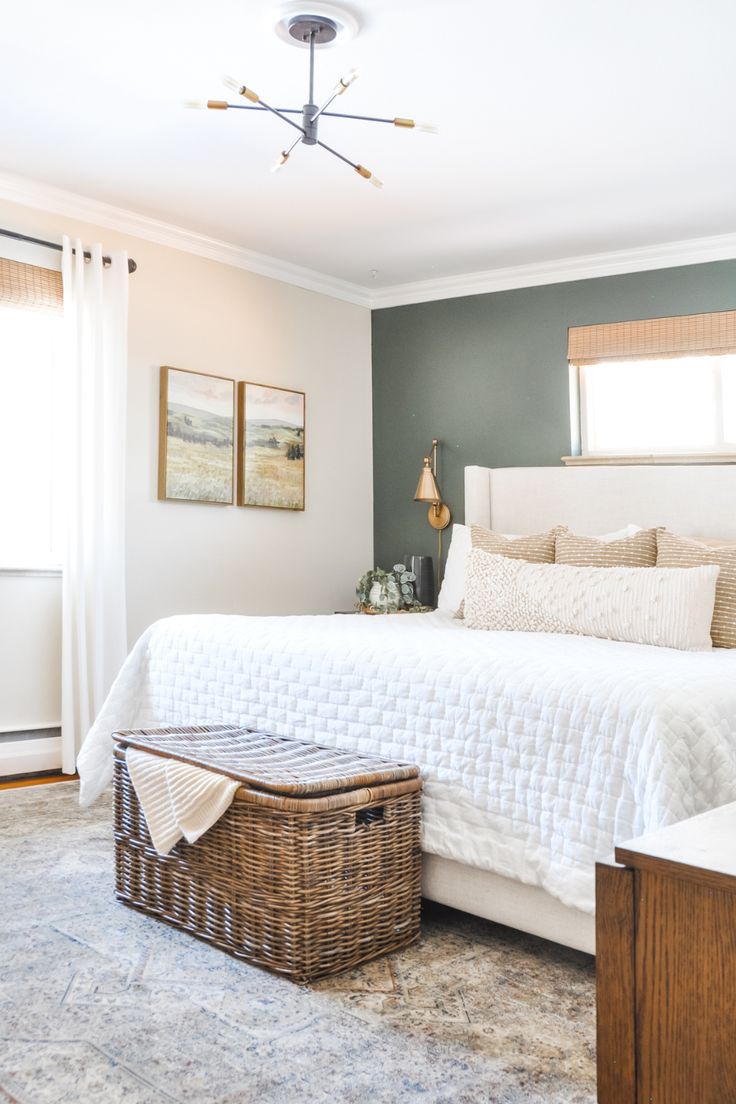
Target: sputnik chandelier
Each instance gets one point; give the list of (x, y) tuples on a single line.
[(309, 31)]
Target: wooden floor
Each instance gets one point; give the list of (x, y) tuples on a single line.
[(36, 780)]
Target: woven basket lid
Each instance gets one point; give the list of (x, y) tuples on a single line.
[(278, 764)]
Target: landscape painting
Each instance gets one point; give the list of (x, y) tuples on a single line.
[(196, 437), (270, 447)]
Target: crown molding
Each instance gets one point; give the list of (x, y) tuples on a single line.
[(645, 258), (46, 197)]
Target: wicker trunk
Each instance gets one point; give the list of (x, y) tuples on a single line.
[(314, 868)]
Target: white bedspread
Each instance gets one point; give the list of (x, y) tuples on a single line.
[(539, 751)]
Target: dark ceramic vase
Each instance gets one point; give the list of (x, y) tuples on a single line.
[(423, 568)]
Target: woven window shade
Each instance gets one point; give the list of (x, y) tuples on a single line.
[(654, 338), (24, 285)]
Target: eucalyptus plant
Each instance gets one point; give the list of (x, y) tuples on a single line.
[(380, 591)]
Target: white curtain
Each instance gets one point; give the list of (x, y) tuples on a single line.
[(92, 446)]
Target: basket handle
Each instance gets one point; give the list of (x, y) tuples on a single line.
[(366, 817)]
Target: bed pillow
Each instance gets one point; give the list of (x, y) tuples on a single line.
[(452, 590), (453, 581), (673, 551), (667, 607), (638, 550), (538, 548), (450, 597)]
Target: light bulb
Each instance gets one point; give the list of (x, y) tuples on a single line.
[(376, 182), (427, 128), (197, 105), (281, 162), (344, 82), (239, 87)]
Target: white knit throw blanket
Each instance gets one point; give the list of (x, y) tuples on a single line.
[(177, 799)]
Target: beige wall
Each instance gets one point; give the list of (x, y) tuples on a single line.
[(194, 313)]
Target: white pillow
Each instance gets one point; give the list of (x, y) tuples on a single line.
[(452, 590), (620, 534), (453, 582), (668, 607)]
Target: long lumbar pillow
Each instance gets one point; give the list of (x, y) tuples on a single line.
[(668, 607)]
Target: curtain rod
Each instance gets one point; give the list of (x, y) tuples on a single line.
[(132, 266)]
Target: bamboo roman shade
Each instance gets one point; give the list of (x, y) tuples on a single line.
[(654, 338), (24, 285)]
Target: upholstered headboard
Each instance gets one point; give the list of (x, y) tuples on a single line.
[(697, 500)]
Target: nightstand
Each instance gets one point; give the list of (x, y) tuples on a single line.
[(666, 965)]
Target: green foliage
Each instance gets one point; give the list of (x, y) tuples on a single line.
[(380, 591)]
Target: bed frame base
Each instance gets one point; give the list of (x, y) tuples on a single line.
[(504, 901)]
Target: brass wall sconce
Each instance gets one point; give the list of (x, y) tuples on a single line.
[(438, 515)]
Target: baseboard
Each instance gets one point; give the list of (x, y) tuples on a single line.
[(41, 778), (30, 754)]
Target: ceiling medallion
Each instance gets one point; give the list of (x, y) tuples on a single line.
[(320, 28)]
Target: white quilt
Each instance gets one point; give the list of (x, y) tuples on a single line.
[(538, 751)]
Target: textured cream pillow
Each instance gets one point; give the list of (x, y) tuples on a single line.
[(538, 548), (673, 551), (666, 607), (639, 550)]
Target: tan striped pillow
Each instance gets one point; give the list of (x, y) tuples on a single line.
[(673, 551), (640, 550), (539, 548)]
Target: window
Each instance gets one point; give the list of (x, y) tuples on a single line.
[(640, 407), (658, 387), (30, 348)]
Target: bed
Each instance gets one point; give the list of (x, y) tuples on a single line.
[(539, 751)]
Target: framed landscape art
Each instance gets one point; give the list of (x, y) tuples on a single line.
[(271, 446), (196, 437)]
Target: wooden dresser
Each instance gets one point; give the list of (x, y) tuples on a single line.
[(666, 966)]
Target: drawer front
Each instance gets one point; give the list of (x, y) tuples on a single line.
[(686, 991)]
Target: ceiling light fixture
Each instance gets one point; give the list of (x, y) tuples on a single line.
[(309, 31)]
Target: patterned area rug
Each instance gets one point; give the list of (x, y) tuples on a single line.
[(99, 1003)]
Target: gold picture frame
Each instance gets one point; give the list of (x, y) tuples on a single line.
[(271, 446), (196, 450)]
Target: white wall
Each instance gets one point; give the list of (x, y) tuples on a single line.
[(30, 645), (193, 313)]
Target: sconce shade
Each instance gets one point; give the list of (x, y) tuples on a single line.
[(427, 489)]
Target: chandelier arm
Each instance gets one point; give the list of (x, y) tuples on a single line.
[(322, 111), (361, 118), (285, 155), (336, 154), (279, 114), (325, 105), (361, 170), (255, 107), (340, 87)]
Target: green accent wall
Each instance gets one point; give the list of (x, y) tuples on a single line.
[(487, 375)]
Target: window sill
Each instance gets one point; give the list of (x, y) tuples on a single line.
[(31, 571), (674, 458)]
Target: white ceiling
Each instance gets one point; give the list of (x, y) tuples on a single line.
[(566, 128)]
